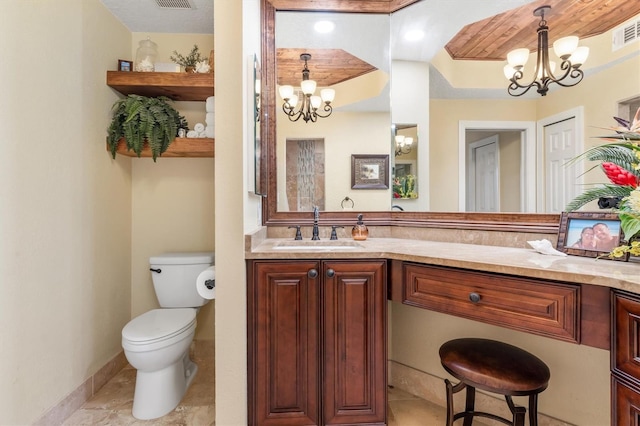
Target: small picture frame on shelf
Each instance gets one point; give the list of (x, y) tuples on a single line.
[(590, 234), (125, 65), (369, 171)]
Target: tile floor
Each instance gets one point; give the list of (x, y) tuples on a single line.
[(112, 405)]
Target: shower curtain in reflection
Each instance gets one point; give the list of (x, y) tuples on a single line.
[(305, 174)]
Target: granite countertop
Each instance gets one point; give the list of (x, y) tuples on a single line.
[(505, 260)]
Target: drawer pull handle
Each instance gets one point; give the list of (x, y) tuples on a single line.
[(312, 273), (474, 297), (330, 273)]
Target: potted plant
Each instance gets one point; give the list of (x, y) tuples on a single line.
[(189, 62), (139, 119)]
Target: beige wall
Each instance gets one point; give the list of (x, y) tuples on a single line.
[(65, 205), (236, 37), (173, 198)]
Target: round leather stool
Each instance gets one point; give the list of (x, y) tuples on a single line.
[(494, 367)]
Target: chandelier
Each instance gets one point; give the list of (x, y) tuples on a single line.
[(308, 108), (565, 48), (403, 145)]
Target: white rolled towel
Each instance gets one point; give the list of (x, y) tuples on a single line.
[(192, 134), (211, 117), (211, 104), (210, 132), (199, 127)]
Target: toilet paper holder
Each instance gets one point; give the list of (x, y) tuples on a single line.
[(210, 284)]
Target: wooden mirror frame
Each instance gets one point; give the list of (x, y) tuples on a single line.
[(507, 222)]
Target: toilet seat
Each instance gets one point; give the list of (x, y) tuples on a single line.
[(158, 328)]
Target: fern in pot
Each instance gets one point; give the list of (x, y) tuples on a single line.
[(139, 119)]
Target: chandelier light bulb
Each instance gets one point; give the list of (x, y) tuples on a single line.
[(285, 91), (509, 71), (579, 57), (518, 57), (565, 46), (328, 95), (399, 140), (552, 68), (408, 141), (316, 101), (308, 87)]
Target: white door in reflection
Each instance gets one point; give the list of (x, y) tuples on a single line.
[(484, 176), (560, 180)]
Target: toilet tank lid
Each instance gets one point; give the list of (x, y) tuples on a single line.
[(194, 258)]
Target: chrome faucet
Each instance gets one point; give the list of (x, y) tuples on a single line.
[(316, 217)]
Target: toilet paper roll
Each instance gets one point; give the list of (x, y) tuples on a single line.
[(210, 118), (206, 282), (211, 104)]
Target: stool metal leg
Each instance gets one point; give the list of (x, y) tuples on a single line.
[(451, 389), (469, 406), (533, 409), (518, 412)]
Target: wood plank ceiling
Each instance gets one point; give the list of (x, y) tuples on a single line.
[(493, 38)]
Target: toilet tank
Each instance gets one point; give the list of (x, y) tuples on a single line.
[(174, 278)]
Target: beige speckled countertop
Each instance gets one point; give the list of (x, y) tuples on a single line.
[(504, 260)]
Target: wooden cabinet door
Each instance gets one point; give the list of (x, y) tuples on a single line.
[(625, 360), (283, 303), (354, 364)]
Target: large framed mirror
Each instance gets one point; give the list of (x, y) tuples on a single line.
[(285, 37)]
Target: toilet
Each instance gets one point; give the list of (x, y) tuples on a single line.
[(157, 342)]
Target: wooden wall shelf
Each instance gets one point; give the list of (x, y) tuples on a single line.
[(180, 147), (179, 86)]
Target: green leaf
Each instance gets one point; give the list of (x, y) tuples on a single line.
[(606, 190), (630, 224)]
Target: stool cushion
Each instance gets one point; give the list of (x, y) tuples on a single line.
[(494, 366)]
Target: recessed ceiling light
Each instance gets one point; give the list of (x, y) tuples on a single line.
[(324, 26), (414, 35)]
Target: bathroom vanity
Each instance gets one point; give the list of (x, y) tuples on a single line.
[(317, 342)]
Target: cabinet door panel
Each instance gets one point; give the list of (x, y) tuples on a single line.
[(626, 403), (354, 306), (626, 336), (286, 344)]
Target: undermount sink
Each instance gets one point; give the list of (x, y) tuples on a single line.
[(317, 245)]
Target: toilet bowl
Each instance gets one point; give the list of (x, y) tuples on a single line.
[(157, 345), (157, 342)]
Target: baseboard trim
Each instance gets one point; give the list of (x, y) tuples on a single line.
[(60, 412)]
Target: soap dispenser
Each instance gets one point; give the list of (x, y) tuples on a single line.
[(360, 231)]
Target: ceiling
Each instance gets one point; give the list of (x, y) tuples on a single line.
[(467, 29)]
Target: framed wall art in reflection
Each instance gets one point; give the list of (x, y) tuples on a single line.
[(590, 234), (369, 171)]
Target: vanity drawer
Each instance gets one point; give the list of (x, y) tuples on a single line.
[(547, 308)]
